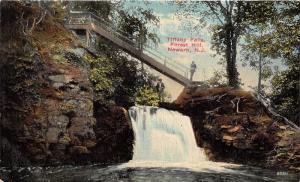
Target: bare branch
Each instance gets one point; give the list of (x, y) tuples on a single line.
[(227, 5), (223, 9), (32, 26), (35, 21), (42, 17), (231, 6), (213, 9), (233, 104), (221, 96)]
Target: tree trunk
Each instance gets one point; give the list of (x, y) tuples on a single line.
[(260, 68), (235, 81), (259, 73), (230, 55)]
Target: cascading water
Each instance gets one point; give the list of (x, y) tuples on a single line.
[(163, 135), (165, 139), (165, 150)]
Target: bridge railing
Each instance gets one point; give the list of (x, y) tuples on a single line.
[(81, 18)]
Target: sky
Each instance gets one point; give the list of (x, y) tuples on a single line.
[(172, 26)]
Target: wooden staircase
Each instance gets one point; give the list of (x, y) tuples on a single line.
[(91, 23)]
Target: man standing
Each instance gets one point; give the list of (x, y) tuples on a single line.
[(160, 89), (193, 69)]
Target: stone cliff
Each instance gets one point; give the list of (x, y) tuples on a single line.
[(47, 113)]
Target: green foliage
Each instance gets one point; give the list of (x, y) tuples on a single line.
[(101, 8), (135, 25), (276, 35), (280, 29), (118, 80), (285, 93), (266, 73), (101, 77), (217, 80), (117, 77), (57, 10), (282, 25), (229, 20), (147, 96)]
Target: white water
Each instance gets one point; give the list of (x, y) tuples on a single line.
[(163, 135), (165, 139)]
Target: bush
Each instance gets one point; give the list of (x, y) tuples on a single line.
[(147, 96)]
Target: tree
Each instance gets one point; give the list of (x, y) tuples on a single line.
[(135, 26), (254, 53), (101, 8), (229, 20), (226, 34), (286, 45), (132, 23), (285, 93), (282, 42), (116, 76)]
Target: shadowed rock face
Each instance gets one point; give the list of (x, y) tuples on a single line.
[(234, 127), (114, 135), (47, 114), (47, 109)]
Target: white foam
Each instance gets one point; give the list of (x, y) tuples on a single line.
[(165, 139), (163, 135)]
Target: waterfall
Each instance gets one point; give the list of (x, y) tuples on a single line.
[(163, 135)]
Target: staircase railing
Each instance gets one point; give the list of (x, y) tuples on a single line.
[(81, 18)]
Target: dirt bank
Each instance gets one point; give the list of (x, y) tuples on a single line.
[(233, 126)]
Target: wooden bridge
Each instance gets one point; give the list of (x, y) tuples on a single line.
[(90, 23)]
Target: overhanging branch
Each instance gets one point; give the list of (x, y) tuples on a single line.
[(213, 9)]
